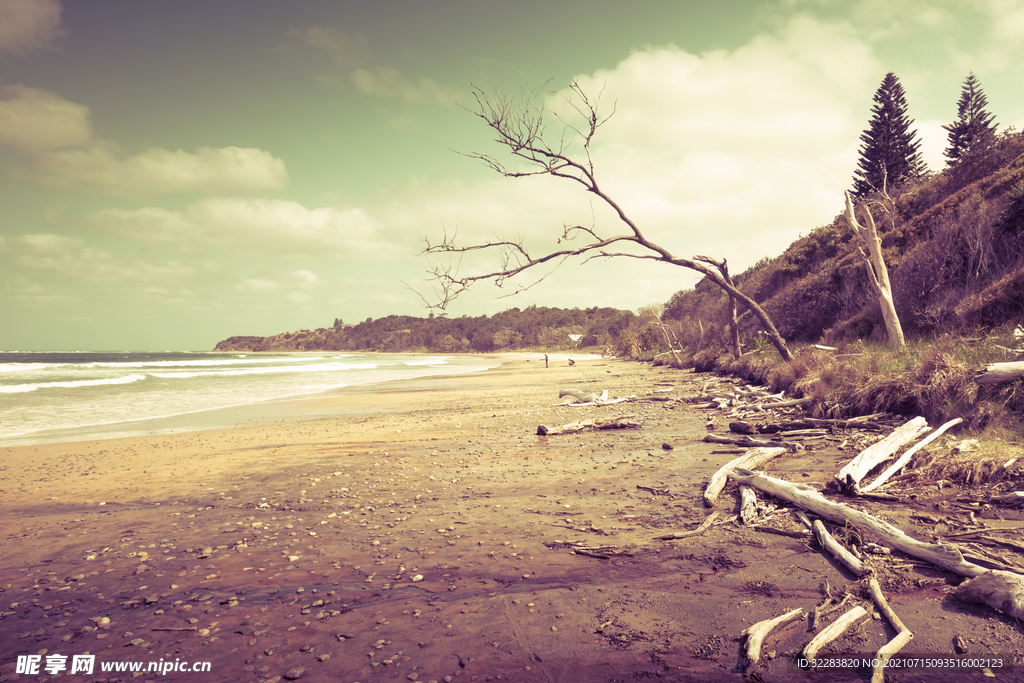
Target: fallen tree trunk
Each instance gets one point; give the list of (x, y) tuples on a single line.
[(905, 458), (621, 422), (938, 554), (749, 460), (1000, 373), (758, 632), (849, 477)]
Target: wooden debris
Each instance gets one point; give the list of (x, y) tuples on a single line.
[(1001, 590), (834, 630), (750, 442), (1000, 373), (748, 505), (833, 546), (1012, 498), (903, 636), (586, 398), (786, 404), (749, 460), (944, 556), (705, 525), (850, 476), (756, 634), (905, 458), (621, 422)]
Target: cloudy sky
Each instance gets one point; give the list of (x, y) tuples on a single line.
[(174, 173)]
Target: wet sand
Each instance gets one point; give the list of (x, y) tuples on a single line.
[(423, 531)]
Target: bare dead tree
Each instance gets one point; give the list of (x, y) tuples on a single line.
[(870, 248), (519, 125), (734, 325)]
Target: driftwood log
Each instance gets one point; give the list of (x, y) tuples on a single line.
[(756, 634), (748, 441), (944, 556), (621, 422), (748, 505), (1000, 373), (749, 460), (903, 635), (999, 589), (905, 458), (833, 631), (850, 476), (705, 525)]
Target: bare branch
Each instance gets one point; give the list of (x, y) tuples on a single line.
[(519, 126)]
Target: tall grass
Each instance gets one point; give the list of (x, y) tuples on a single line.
[(933, 377)]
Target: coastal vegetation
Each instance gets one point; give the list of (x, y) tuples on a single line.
[(535, 327)]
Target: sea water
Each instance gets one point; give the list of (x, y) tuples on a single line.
[(60, 396)]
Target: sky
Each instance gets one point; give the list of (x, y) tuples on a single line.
[(175, 173)]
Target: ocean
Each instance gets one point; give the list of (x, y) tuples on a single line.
[(50, 397)]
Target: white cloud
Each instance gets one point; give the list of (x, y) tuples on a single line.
[(258, 226), (344, 47), (28, 25), (1007, 19), (385, 81), (729, 153), (54, 137), (69, 257), (254, 285), (305, 278)]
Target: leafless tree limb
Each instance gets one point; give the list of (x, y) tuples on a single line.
[(519, 126)]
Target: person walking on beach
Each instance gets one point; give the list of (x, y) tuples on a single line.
[(545, 360)]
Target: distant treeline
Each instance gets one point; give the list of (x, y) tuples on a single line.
[(533, 327)]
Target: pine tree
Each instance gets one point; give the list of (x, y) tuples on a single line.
[(889, 155), (973, 128)]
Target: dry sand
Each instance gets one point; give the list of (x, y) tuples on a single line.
[(423, 534)]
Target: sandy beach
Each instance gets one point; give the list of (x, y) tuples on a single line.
[(422, 530)]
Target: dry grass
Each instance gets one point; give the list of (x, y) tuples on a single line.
[(933, 378)]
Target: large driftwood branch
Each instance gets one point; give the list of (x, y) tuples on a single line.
[(758, 632), (749, 460), (1000, 373), (850, 476), (903, 635), (621, 422), (940, 555), (905, 458), (833, 631)]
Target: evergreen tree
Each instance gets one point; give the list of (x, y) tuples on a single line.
[(973, 128), (889, 155)]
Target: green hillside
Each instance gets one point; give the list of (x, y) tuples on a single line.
[(954, 250)]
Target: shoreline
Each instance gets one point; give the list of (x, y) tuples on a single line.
[(289, 408), (434, 533)]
